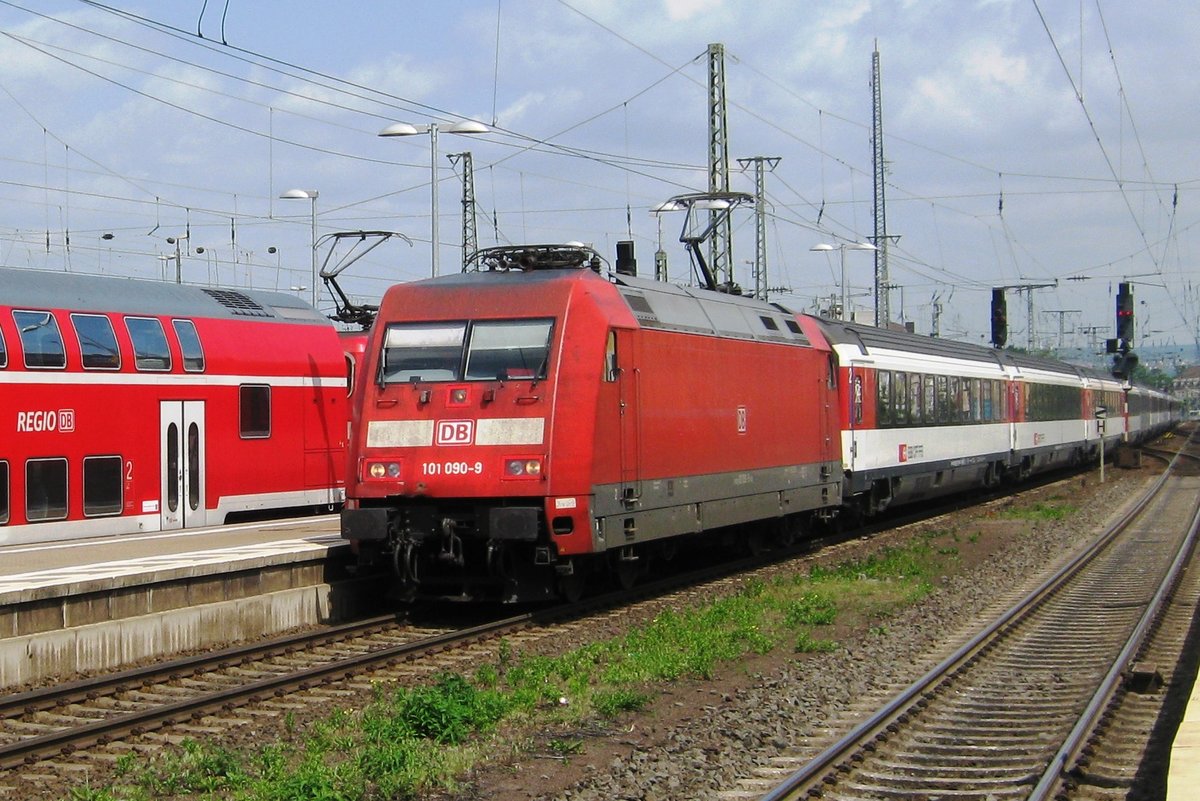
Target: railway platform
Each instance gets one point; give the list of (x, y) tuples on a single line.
[(1183, 777), (89, 605)]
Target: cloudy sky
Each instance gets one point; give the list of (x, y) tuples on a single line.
[(1027, 142)]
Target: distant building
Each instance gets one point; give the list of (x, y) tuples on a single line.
[(1187, 387)]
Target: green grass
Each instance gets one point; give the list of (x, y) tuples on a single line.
[(411, 741), (1040, 511)]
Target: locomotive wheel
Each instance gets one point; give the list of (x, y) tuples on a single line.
[(571, 587), (626, 571)]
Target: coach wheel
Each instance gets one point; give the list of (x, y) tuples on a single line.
[(756, 541)]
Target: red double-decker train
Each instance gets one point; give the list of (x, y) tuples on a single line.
[(132, 405), (518, 429)]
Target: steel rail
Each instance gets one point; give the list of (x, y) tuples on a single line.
[(34, 748), (44, 698), (894, 709), (1068, 754)]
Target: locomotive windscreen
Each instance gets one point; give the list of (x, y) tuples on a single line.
[(466, 351)]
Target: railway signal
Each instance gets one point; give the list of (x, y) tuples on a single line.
[(999, 318)]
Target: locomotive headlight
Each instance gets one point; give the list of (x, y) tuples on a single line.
[(380, 470), (522, 468)]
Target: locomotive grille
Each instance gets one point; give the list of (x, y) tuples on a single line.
[(237, 303)]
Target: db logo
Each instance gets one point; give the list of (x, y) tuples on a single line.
[(455, 432), (904, 453)]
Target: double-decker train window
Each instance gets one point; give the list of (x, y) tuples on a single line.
[(422, 352), (101, 485), (45, 490), (150, 349), (97, 342), (508, 350), (3, 492), (189, 344), (255, 413), (40, 339)]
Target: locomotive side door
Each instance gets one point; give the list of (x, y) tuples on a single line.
[(181, 454), (628, 381)]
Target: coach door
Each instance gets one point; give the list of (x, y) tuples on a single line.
[(181, 448)]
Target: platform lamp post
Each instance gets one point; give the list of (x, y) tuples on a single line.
[(433, 128), (825, 247), (309, 194)]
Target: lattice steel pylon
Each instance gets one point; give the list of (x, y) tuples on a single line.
[(470, 239), (720, 245), (761, 165), (883, 311)]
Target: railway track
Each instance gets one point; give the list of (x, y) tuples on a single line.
[(52, 729), (1016, 711)]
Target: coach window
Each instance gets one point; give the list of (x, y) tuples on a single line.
[(40, 339), (883, 397), (189, 344), (916, 411), (255, 411), (932, 414), (3, 492), (101, 486), (900, 398), (97, 342), (1001, 401), (150, 349), (944, 406), (45, 490)]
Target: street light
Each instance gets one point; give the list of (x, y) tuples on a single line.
[(433, 128), (310, 194), (843, 247)]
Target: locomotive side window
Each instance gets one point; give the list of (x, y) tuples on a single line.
[(3, 352), (97, 342), (101, 485), (610, 358), (512, 349), (40, 339), (3, 492), (45, 490), (255, 401), (189, 343), (422, 352), (149, 343)]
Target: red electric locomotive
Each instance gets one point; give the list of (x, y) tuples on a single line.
[(519, 428), (138, 406)]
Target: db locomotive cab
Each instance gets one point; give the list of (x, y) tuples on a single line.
[(453, 469)]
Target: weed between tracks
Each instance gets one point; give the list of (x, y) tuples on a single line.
[(413, 740)]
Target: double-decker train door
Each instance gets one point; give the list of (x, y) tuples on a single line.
[(181, 448)]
